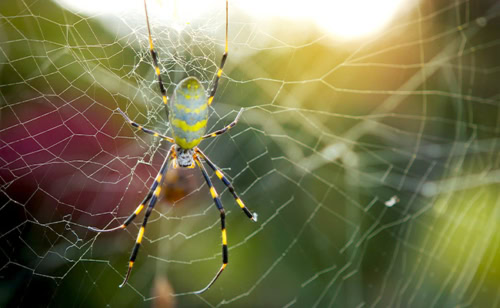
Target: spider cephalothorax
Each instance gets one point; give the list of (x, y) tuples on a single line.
[(184, 157)]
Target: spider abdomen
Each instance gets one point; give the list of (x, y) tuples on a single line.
[(189, 113)]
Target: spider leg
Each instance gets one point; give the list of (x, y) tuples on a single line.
[(222, 62), (154, 55), (146, 130), (222, 222), (220, 175), (226, 128), (152, 203), (139, 208), (135, 213)]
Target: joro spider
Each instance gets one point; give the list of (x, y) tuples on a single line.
[(188, 114)]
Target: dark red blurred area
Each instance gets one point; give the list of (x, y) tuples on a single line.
[(63, 169), (62, 164)]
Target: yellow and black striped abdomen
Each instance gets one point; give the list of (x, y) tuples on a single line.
[(189, 113)]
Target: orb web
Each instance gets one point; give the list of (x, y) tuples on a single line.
[(373, 164)]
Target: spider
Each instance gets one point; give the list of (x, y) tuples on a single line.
[(188, 113)]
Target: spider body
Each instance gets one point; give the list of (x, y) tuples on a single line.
[(184, 157), (187, 114)]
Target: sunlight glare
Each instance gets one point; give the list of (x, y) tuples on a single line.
[(174, 13), (341, 18)]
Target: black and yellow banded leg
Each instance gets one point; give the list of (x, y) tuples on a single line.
[(220, 175), (155, 194), (222, 62), (218, 203), (146, 130), (134, 214), (226, 128), (139, 208), (154, 55)]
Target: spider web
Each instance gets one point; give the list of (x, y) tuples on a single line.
[(373, 165)]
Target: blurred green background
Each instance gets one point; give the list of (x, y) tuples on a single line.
[(373, 164)]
